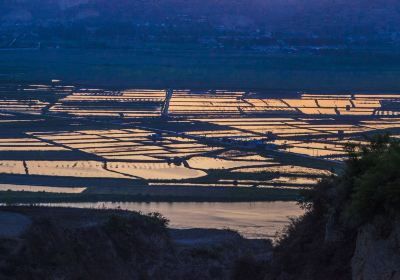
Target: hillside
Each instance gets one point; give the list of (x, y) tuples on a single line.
[(56, 243), (352, 228), (252, 24)]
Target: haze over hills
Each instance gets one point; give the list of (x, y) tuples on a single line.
[(251, 23), (381, 14)]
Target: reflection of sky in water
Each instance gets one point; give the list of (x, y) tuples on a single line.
[(305, 125), (27, 188), (251, 219)]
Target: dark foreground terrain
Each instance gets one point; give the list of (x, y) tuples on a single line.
[(46, 243), (352, 228)]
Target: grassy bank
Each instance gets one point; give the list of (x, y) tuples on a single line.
[(236, 195)]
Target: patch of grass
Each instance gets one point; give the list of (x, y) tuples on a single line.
[(374, 180)]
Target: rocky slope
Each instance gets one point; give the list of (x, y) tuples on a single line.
[(377, 254)]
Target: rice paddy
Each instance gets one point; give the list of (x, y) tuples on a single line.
[(54, 137)]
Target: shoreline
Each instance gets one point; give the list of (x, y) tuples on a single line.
[(11, 197), (264, 219)]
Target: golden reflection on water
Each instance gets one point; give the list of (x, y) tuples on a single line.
[(29, 188), (118, 143), (251, 219)]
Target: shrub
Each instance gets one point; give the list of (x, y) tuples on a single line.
[(374, 179), (159, 218)]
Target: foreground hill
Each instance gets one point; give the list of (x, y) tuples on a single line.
[(352, 229), (49, 243)]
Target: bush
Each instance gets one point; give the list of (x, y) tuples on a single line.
[(374, 179), (369, 185), (248, 268), (320, 244), (159, 218)]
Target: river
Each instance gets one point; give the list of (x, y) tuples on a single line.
[(250, 219)]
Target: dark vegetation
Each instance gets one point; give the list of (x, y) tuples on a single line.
[(373, 181), (320, 245), (189, 194), (87, 244)]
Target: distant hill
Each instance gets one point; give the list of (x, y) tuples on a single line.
[(354, 20), (379, 13)]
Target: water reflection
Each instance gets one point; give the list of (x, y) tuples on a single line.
[(28, 188), (181, 138), (251, 219)]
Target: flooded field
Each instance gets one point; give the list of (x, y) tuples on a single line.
[(143, 142), (250, 219)]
